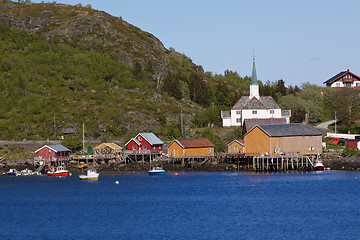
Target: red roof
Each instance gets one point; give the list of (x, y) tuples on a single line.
[(240, 141), (250, 123), (195, 143)]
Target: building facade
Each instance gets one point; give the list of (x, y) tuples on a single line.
[(236, 146), (344, 79), (53, 152), (191, 148), (145, 142), (253, 106), (295, 139)]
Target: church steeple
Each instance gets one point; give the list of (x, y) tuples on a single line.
[(253, 76), (254, 86)]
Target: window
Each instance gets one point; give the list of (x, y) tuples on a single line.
[(134, 147), (271, 111), (238, 120), (311, 148), (358, 84), (254, 112), (140, 138), (276, 150), (238, 112), (347, 84), (337, 84), (209, 149), (144, 147)]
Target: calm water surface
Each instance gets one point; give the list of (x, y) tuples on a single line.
[(195, 205)]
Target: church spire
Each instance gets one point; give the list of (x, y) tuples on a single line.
[(254, 86), (253, 76)]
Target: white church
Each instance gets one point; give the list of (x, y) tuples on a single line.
[(253, 107)]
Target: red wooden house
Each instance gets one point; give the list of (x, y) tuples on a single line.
[(145, 142), (53, 152)]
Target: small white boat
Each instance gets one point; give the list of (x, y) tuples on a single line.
[(13, 172), (156, 171), (90, 175), (26, 172)]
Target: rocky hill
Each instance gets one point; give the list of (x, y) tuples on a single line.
[(63, 65), (96, 30)]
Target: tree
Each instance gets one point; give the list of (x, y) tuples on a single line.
[(297, 106), (73, 143), (346, 102), (313, 98)]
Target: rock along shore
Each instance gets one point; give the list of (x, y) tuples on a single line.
[(334, 161)]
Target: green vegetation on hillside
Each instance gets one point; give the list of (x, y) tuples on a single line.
[(70, 65)]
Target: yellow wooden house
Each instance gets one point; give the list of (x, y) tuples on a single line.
[(236, 146), (294, 139), (191, 148)]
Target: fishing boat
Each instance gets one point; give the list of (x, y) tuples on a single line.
[(319, 166), (156, 171), (59, 171), (90, 175), (13, 172)]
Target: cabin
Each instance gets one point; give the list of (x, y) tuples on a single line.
[(201, 147), (144, 142), (344, 79), (237, 146), (283, 139), (53, 152), (107, 150), (250, 123)]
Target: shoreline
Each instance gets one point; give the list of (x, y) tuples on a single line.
[(333, 162)]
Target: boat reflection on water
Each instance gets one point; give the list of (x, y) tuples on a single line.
[(91, 174)]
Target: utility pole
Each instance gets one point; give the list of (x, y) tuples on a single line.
[(181, 123), (309, 113), (335, 121), (83, 139), (54, 126)]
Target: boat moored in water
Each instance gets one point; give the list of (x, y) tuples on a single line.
[(59, 171), (13, 172), (156, 171), (91, 174), (319, 166)]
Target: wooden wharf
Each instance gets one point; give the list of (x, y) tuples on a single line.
[(283, 163), (253, 162), (240, 161)]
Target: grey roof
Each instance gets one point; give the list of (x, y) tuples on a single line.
[(286, 130), (330, 80), (264, 102), (225, 114), (339, 76), (59, 148), (151, 138)]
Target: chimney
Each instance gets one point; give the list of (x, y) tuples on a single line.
[(306, 118)]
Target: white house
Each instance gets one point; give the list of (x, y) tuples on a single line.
[(344, 79), (253, 106)]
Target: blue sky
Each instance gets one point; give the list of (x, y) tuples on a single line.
[(295, 40)]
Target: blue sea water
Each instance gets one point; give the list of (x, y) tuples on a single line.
[(191, 205)]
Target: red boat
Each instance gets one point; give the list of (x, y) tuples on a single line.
[(319, 166), (59, 171)]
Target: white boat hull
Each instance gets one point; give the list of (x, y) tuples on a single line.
[(91, 175)]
